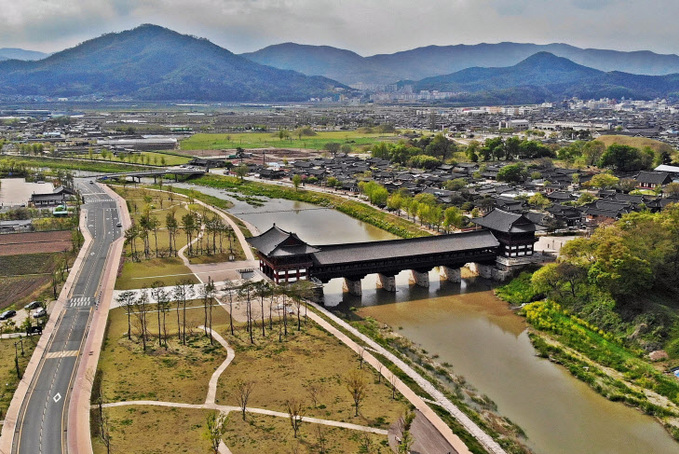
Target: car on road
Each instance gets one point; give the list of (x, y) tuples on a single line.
[(119, 224), (33, 305), (8, 314), (91, 182), (39, 313)]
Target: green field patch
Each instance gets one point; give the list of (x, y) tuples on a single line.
[(178, 373), (308, 363), (262, 433), (170, 270), (8, 374), (267, 139), (154, 430)]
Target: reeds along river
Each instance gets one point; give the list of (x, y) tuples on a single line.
[(468, 327)]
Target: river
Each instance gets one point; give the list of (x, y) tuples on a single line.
[(468, 327)]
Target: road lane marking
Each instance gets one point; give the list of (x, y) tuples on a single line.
[(57, 398)]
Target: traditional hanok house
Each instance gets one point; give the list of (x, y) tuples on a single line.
[(283, 257), (514, 231), (570, 216), (58, 197), (604, 211), (652, 180)]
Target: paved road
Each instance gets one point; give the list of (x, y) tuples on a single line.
[(42, 422)]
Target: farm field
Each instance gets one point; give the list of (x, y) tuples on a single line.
[(268, 139), (28, 277), (35, 242)]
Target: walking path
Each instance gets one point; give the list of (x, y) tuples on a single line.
[(483, 438), (214, 380)]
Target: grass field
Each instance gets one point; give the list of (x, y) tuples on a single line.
[(268, 139), (310, 358), (180, 373), (637, 142), (262, 433), (170, 270), (154, 430), (144, 157), (8, 376)]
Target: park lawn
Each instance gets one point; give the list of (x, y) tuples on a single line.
[(263, 433), (205, 141), (8, 375), (180, 373), (636, 142), (155, 430), (170, 270), (282, 371), (144, 157)]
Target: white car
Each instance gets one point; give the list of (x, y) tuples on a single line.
[(39, 313)]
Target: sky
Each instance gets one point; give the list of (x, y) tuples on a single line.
[(367, 27)]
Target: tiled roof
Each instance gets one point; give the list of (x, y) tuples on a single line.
[(504, 221)]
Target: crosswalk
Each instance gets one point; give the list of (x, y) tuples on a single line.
[(61, 354), (81, 301)]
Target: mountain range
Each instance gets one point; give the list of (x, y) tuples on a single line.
[(158, 64), (154, 63), (350, 68), (546, 77), (13, 53)]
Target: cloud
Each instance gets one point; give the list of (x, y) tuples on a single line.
[(365, 26)]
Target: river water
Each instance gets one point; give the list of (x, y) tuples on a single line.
[(468, 327), (16, 191)]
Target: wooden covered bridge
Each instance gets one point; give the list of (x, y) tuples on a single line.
[(284, 257)]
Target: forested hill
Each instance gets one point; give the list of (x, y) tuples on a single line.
[(154, 63), (546, 77), (350, 68)]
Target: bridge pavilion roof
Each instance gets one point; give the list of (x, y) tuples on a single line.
[(504, 221), (389, 249), (276, 242)]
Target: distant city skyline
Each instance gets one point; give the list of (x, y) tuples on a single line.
[(367, 27)]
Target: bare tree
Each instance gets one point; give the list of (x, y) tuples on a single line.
[(313, 390), (229, 289), (392, 381), (127, 299), (261, 290), (295, 412), (380, 366), (158, 293), (321, 440), (403, 426), (243, 391), (357, 386), (246, 291), (207, 292), (163, 298), (141, 311), (361, 356), (215, 429)]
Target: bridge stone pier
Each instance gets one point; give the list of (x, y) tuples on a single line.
[(421, 278), (353, 286), (386, 283), (485, 271), (451, 274)]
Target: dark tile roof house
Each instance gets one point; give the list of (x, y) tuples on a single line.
[(276, 242), (504, 221), (652, 180)]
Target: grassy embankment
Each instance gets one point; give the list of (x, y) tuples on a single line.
[(154, 158), (389, 222), (75, 164), (8, 376), (599, 358), (267, 139)]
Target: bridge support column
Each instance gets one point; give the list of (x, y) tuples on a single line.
[(485, 271), (353, 287), (451, 274), (386, 283), (421, 279)]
